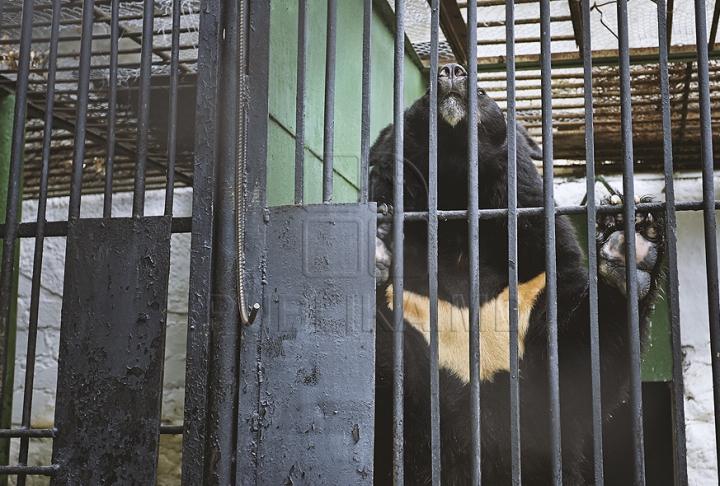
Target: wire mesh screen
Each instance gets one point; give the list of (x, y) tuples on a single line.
[(124, 78), (566, 42)]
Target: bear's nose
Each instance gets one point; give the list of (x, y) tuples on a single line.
[(452, 71)]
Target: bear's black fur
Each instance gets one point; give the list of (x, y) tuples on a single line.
[(572, 305)]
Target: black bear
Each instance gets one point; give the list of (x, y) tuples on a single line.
[(572, 301)]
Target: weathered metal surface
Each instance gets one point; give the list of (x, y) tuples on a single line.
[(314, 420), (112, 345), (201, 250), (224, 324), (256, 183)]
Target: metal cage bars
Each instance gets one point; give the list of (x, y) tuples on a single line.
[(433, 249), (512, 246), (711, 255), (398, 260), (678, 395), (708, 205), (13, 229)]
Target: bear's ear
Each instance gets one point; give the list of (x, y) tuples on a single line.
[(523, 137)]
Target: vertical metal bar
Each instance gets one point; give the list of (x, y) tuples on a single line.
[(366, 94), (39, 240), (197, 366), (550, 257), (329, 139), (143, 109), (255, 54), (433, 246), (597, 419), (633, 319), (13, 195), (225, 326), (7, 109), (398, 261), (112, 107), (474, 244), (670, 10), (83, 95), (512, 244), (173, 110), (711, 255), (681, 477), (300, 102)]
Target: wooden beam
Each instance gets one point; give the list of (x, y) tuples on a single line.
[(454, 28), (641, 55), (670, 8), (577, 23), (714, 26), (685, 101)]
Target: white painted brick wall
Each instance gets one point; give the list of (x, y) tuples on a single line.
[(694, 320)]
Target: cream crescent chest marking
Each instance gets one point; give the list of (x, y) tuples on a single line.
[(453, 328)]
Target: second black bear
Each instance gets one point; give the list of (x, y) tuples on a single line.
[(572, 301)]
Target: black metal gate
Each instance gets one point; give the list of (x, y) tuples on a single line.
[(107, 419)]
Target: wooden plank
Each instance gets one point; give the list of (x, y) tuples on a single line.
[(454, 28), (577, 23)]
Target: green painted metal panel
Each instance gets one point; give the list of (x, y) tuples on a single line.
[(657, 358), (348, 89)]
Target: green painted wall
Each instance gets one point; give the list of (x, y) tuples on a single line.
[(283, 83)]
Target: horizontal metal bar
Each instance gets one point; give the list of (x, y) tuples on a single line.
[(76, 38), (30, 433), (61, 123), (71, 21), (562, 83), (43, 6), (578, 74), (524, 40), (101, 16), (31, 470), (59, 228), (501, 23), (539, 211), (494, 3), (129, 65), (171, 429), (161, 83), (600, 58)]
